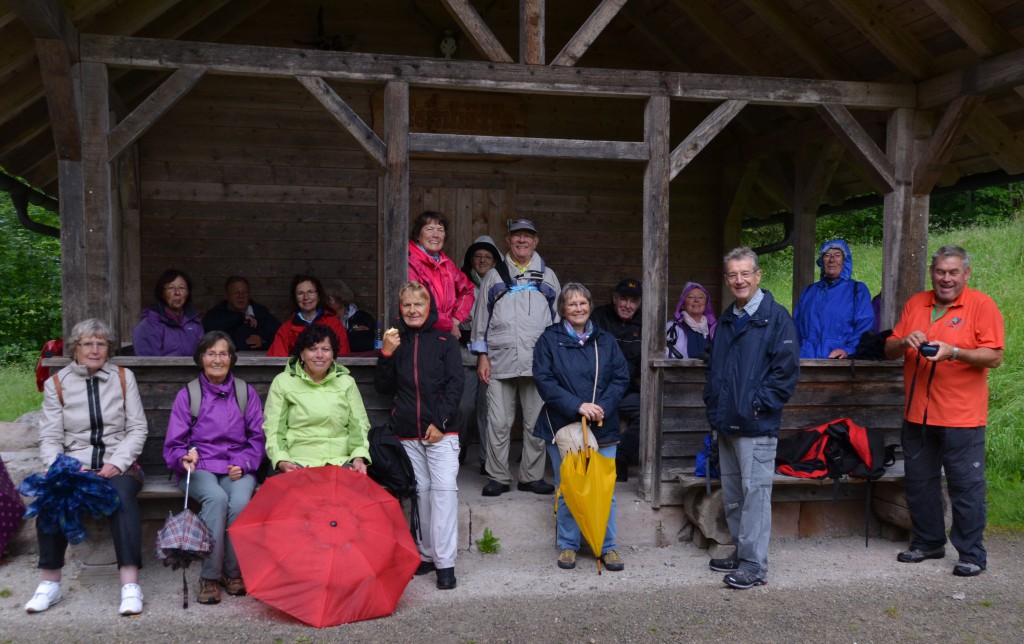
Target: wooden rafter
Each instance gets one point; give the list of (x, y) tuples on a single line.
[(974, 25), (61, 98), (798, 36), (267, 61), (151, 109), (588, 33), (477, 30), (947, 134), (702, 135), (888, 36), (46, 19), (733, 45), (347, 118), (860, 145), (998, 140)]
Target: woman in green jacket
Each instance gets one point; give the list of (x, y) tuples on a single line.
[(314, 414)]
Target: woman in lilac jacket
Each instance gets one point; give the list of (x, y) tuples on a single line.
[(170, 326), (224, 447)]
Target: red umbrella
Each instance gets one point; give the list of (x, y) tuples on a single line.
[(325, 545)]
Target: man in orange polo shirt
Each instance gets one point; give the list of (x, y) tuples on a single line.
[(947, 408)]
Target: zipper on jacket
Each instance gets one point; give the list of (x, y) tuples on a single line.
[(92, 391), (416, 382)]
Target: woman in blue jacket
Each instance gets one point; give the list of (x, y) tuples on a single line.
[(565, 360), (833, 312)]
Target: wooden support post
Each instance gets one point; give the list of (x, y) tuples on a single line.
[(90, 234), (815, 181), (394, 206), (655, 254), (531, 32), (129, 207), (803, 228), (905, 218)]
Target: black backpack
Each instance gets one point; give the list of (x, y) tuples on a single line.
[(391, 468)]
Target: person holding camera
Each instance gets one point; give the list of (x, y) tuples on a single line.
[(949, 337)]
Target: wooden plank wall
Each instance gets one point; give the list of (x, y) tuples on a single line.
[(871, 395), (160, 380), (251, 176)]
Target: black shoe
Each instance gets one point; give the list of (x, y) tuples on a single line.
[(621, 470), (493, 488), (743, 580), (424, 568), (483, 469), (537, 487), (445, 578), (730, 564), (915, 555), (967, 569)]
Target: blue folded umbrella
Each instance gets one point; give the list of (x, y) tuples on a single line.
[(66, 494)]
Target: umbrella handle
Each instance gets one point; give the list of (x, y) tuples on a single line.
[(188, 480)]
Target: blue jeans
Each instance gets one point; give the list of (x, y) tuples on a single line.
[(747, 464), (961, 452), (223, 500), (569, 536)]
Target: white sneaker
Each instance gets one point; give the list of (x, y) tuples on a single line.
[(47, 594), (131, 599)]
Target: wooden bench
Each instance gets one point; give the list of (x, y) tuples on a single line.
[(806, 507)]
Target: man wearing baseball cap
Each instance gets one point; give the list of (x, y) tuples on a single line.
[(516, 304), (623, 319)]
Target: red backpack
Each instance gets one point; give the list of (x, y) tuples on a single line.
[(833, 450)]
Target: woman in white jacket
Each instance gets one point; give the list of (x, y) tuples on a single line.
[(92, 412)]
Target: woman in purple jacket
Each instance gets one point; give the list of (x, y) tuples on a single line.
[(170, 326), (223, 446)]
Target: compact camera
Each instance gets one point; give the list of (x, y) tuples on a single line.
[(928, 350)]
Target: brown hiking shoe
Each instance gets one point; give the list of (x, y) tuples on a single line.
[(567, 559), (209, 591), (233, 585), (612, 561)]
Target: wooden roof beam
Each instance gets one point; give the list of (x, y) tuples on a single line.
[(702, 135), (513, 146), (531, 32), (947, 134), (998, 140), (151, 109), (62, 100), (588, 33), (705, 17), (278, 62), (477, 30), (46, 20), (347, 117), (796, 34), (860, 145), (974, 25), (888, 36)]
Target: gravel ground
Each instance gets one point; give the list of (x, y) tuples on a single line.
[(826, 590)]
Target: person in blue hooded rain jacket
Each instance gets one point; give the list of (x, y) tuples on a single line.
[(833, 312)]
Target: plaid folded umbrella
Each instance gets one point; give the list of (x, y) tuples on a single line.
[(67, 493), (183, 539), (11, 507)]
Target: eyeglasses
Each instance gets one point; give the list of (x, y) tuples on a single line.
[(433, 229), (210, 355), (834, 256), (89, 346), (309, 293), (733, 277)]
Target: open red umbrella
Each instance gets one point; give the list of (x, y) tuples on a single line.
[(325, 545)]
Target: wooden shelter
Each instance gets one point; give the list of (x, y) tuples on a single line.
[(265, 138)]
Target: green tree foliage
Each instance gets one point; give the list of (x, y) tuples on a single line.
[(30, 298)]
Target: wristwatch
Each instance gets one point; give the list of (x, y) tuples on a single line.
[(956, 350)]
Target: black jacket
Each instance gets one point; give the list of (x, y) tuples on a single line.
[(425, 376), (226, 319), (627, 333), (752, 373)]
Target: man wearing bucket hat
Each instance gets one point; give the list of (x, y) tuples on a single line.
[(623, 319), (516, 304)]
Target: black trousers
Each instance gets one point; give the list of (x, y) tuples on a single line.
[(960, 452), (125, 525), (629, 442)]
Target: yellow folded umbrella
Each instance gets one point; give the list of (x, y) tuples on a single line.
[(587, 485)]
